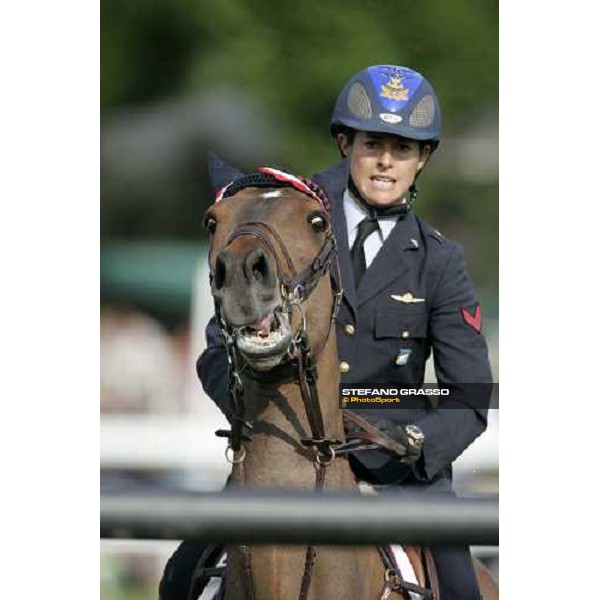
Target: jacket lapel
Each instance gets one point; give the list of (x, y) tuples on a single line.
[(395, 257)]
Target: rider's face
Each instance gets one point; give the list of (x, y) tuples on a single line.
[(383, 166)]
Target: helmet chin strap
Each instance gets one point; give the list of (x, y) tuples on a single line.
[(384, 211)]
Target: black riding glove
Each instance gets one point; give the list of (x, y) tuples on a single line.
[(408, 436)]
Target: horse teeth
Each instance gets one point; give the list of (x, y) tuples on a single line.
[(257, 340)]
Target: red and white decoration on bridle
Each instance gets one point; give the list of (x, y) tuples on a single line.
[(288, 178)]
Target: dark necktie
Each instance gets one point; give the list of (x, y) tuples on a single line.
[(359, 262)]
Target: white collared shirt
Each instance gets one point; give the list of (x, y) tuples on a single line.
[(355, 213)]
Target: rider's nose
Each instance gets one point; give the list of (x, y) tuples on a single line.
[(385, 158), (257, 268)]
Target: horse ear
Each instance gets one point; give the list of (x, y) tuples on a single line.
[(220, 172)]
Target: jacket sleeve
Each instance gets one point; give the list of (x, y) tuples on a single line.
[(461, 360), (212, 368)]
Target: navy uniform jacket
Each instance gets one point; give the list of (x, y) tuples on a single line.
[(414, 259)]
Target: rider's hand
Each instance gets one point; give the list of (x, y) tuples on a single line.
[(408, 436)]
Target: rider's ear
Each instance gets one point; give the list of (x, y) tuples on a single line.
[(343, 144), (220, 172)]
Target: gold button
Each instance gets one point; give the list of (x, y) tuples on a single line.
[(344, 367), (349, 329), (405, 334)]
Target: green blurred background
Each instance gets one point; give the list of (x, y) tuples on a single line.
[(254, 81)]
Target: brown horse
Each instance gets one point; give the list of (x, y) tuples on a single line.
[(274, 280)]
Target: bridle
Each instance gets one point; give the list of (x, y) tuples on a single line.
[(296, 288)]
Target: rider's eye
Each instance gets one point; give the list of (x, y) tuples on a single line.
[(318, 222), (210, 223)]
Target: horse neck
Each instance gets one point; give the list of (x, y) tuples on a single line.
[(328, 389), (276, 457)]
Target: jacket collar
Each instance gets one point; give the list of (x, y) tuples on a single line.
[(334, 180)]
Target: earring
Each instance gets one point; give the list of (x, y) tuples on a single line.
[(414, 192)]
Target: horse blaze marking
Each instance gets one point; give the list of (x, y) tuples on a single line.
[(474, 320), (274, 194)]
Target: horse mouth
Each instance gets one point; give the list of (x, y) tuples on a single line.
[(266, 343)]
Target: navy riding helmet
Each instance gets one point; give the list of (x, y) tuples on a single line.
[(389, 99)]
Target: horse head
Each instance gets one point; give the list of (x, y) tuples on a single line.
[(271, 246)]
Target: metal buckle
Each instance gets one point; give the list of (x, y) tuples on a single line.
[(327, 461), (231, 457)]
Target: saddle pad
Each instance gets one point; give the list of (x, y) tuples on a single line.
[(212, 588), (403, 563), (405, 567)]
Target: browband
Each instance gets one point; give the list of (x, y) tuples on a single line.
[(271, 177)]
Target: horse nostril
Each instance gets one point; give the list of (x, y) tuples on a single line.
[(220, 273), (258, 267)]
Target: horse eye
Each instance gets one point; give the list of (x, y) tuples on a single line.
[(210, 223), (318, 222)]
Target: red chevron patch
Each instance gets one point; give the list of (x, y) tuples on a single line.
[(474, 320)]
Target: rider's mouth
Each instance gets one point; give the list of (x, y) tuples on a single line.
[(271, 336)]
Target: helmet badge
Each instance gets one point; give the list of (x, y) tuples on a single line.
[(390, 118), (394, 89)]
